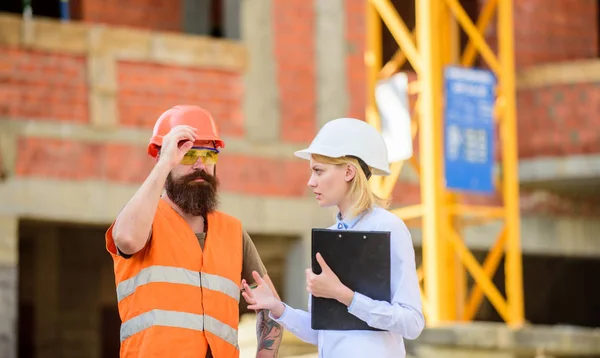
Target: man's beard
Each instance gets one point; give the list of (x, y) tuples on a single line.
[(192, 197)]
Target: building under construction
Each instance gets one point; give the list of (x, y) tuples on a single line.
[(511, 273)]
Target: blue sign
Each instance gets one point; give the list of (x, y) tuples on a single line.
[(469, 129)]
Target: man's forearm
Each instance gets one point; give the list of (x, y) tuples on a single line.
[(269, 334), (134, 222)]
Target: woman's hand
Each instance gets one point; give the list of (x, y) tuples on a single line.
[(262, 297), (327, 284)]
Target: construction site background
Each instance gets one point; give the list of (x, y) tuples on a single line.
[(79, 96)]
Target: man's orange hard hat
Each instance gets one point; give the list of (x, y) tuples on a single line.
[(190, 115)]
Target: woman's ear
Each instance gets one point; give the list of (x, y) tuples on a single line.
[(350, 172)]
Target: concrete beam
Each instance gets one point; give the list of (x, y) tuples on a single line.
[(575, 175), (568, 72), (483, 339), (95, 202), (125, 43), (540, 235), (99, 202)]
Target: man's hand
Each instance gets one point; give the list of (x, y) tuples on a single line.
[(133, 226), (327, 284), (172, 149)]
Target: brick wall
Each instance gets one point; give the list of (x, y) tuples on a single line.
[(41, 85), (162, 15), (148, 89), (294, 27), (66, 159), (552, 31), (557, 30), (559, 120)]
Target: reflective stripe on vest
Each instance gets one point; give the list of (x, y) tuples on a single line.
[(177, 275), (157, 317), (221, 284), (180, 320)]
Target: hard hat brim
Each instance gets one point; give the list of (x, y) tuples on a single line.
[(307, 153)]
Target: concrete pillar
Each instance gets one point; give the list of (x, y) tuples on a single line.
[(46, 293), (261, 99), (9, 259), (196, 16), (297, 261), (332, 94)]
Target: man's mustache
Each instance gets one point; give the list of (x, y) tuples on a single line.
[(199, 174)]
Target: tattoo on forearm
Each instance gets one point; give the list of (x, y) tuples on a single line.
[(269, 333)]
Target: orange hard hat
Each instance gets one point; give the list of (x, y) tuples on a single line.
[(189, 115)]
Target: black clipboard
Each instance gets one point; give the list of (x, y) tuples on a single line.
[(361, 260)]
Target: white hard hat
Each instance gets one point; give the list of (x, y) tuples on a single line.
[(350, 137)]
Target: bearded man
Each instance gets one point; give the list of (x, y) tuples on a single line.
[(179, 262)]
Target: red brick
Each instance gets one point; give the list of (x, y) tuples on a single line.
[(58, 159), (295, 57), (146, 90), (405, 193), (161, 15), (558, 120), (263, 176), (552, 31), (40, 85), (122, 163)]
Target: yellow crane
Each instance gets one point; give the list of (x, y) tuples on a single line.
[(429, 48)]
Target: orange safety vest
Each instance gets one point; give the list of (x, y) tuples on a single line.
[(176, 299)]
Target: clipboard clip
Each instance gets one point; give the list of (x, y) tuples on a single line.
[(364, 236)]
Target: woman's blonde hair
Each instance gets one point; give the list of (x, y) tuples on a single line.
[(363, 197)]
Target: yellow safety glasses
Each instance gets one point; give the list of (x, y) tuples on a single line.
[(207, 155)]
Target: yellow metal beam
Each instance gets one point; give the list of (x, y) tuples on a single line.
[(373, 61), (396, 62), (441, 214), (487, 14), (474, 35), (389, 182), (399, 31), (508, 133), (479, 276), (490, 265), (477, 210), (455, 272), (437, 287), (409, 212)]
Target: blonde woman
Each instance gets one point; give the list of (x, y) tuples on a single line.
[(343, 156)]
